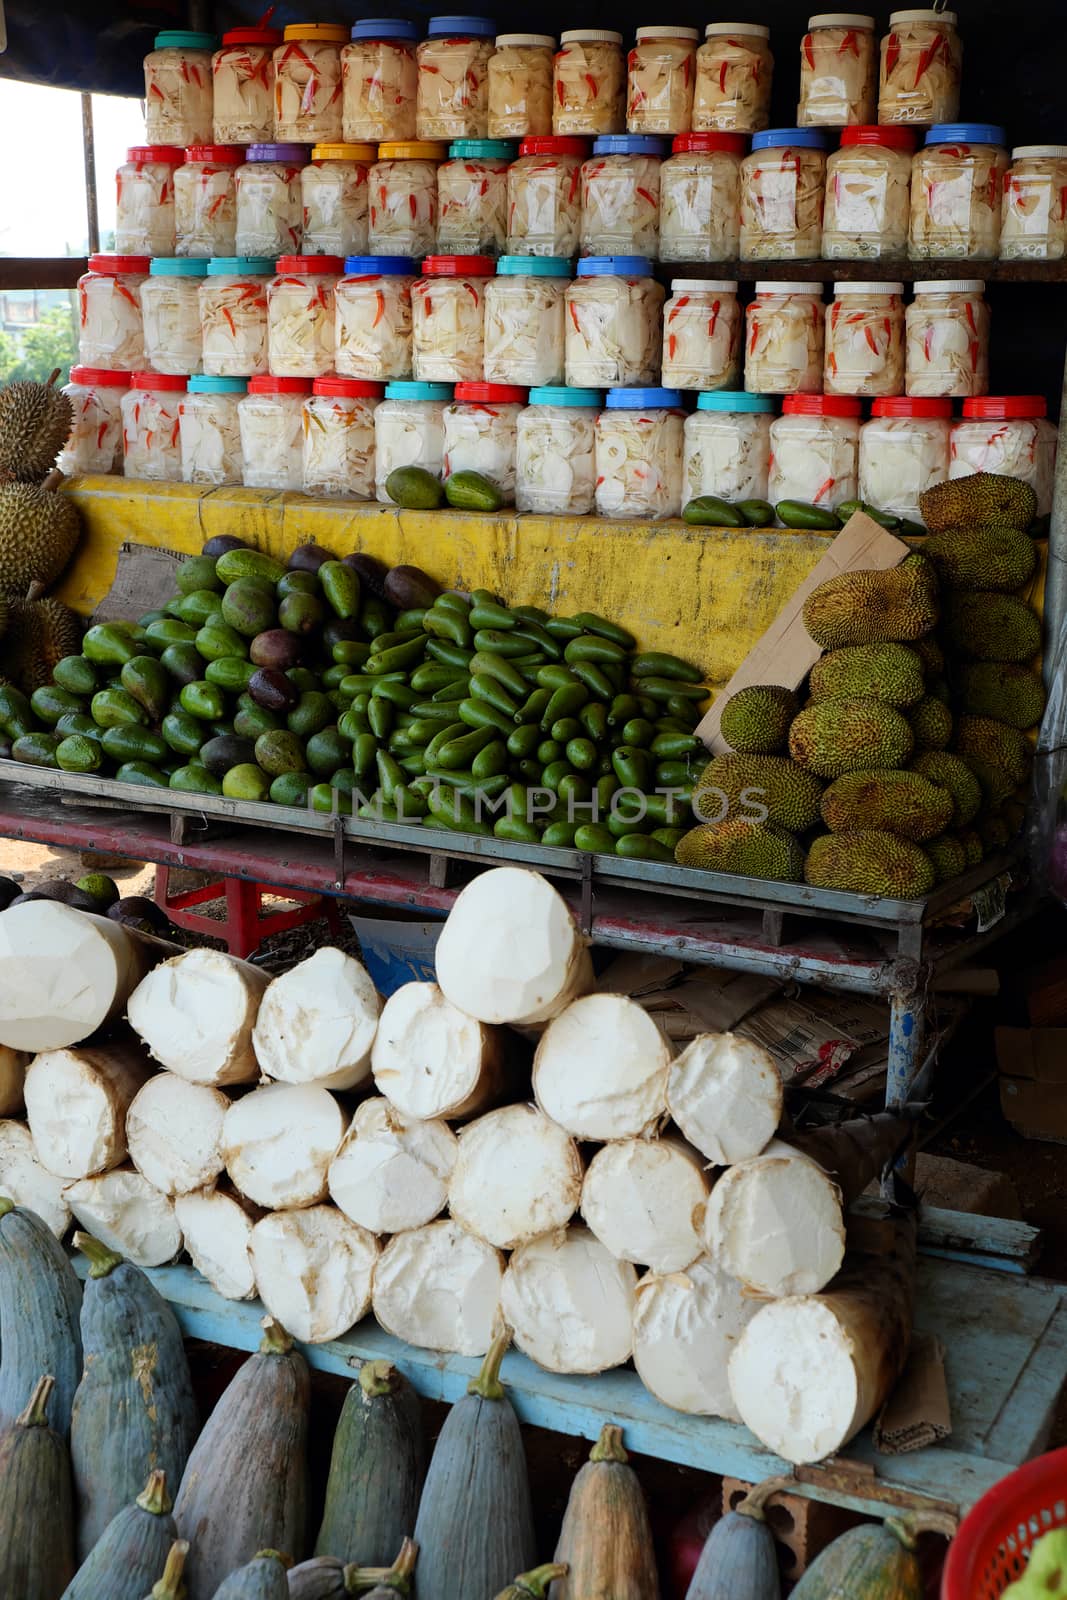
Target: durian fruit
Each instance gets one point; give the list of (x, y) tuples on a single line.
[(35, 423), (38, 534), (39, 633)]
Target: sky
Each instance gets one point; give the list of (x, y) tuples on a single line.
[(42, 177)]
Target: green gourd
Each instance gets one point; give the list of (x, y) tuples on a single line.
[(262, 1578), (534, 1585), (134, 1410), (606, 1540), (40, 1298), (376, 1470), (876, 1561), (171, 1585), (739, 1560), (131, 1550), (36, 1505)]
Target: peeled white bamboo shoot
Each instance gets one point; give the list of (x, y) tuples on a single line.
[(686, 1325), (76, 1104), (570, 1302), (24, 1179), (196, 1014), (63, 974), (174, 1131), (433, 1060), (391, 1172), (644, 1199), (317, 1022), (278, 1142), (725, 1093), (775, 1223), (126, 1213), (439, 1287), (511, 951), (13, 1064), (517, 1175), (217, 1229), (313, 1271), (601, 1069)]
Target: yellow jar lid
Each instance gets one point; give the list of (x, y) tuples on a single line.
[(413, 150), (344, 152), (317, 32)]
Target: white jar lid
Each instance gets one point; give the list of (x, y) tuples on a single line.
[(667, 33), (868, 288), (719, 29), (504, 39), (590, 36), (949, 286), (948, 17), (1054, 151), (772, 286), (696, 285), (840, 19)]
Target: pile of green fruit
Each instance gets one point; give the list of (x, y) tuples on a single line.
[(709, 511)]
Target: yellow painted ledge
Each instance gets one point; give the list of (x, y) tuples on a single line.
[(706, 594)]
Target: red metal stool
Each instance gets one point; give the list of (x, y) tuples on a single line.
[(246, 924)]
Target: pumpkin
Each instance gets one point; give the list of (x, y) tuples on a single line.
[(36, 1504), (131, 1551), (533, 1585), (475, 1523), (262, 1578), (875, 1559), (40, 1298), (739, 1560), (606, 1541), (327, 1578), (246, 1480), (171, 1585), (376, 1469), (322, 1578), (134, 1410)]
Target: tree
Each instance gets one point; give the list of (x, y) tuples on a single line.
[(8, 356), (49, 344)]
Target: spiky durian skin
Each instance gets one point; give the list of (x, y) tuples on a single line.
[(35, 423), (982, 500), (832, 737), (870, 862), (755, 720), (898, 604), (39, 530), (752, 849)]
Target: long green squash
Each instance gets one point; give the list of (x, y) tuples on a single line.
[(246, 1481), (36, 1505), (262, 1578), (376, 1470), (739, 1560), (134, 1410), (171, 1585), (606, 1540), (131, 1551), (475, 1524), (40, 1298), (534, 1585), (876, 1560)]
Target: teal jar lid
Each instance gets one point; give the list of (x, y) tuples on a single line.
[(185, 39), (487, 149), (733, 400), (418, 391), (201, 384), (533, 267), (552, 394), (178, 267), (241, 266)]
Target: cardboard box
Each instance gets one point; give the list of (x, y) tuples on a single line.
[(1033, 1081)]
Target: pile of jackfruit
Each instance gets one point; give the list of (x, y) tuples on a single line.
[(907, 760)]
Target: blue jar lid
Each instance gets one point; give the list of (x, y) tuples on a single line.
[(965, 133), (552, 394), (380, 266), (643, 399), (385, 28), (418, 391), (278, 152), (240, 266), (206, 385), (461, 28), (630, 144), (185, 39), (487, 149), (733, 400), (178, 267), (615, 267), (775, 138), (533, 267)]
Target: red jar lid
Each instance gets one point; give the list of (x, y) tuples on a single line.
[(896, 137), (554, 144), (353, 388), (906, 405), (491, 393), (267, 383), (1003, 407), (170, 154), (459, 266), (295, 266), (821, 405), (220, 155), (158, 380), (101, 377), (111, 266), (735, 143), (271, 36)]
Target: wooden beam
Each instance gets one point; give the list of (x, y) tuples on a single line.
[(41, 272)]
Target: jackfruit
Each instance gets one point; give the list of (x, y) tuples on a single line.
[(1001, 559), (949, 772), (983, 500), (38, 533), (948, 856), (755, 721), (753, 849), (904, 803), (870, 862), (994, 744), (890, 673), (972, 846), (872, 607), (992, 627), (1000, 689), (832, 737), (39, 633), (35, 422), (930, 654), (931, 723), (735, 785)]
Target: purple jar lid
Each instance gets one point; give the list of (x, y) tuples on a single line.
[(278, 152)]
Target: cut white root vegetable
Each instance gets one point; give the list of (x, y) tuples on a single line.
[(217, 1228), (13, 1064), (63, 974), (517, 1175), (123, 1211), (278, 1142), (686, 1325), (317, 1022), (76, 1104), (196, 1015), (775, 1223), (644, 1199), (24, 1180), (313, 1271), (570, 1302), (433, 1060), (174, 1131), (725, 1093), (392, 1173), (439, 1287), (511, 951), (601, 1069)]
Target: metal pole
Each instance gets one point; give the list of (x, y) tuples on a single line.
[(1056, 577), (89, 149)]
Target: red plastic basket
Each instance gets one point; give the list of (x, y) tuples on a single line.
[(989, 1551)]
